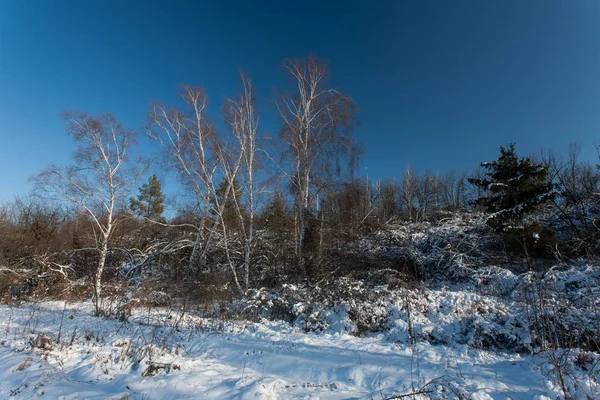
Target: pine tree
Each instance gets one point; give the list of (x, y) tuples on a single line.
[(276, 219), (149, 203), (230, 213), (514, 188)]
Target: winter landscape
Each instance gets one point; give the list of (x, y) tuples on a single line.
[(482, 332), (413, 213)]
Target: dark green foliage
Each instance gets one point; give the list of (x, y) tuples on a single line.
[(515, 188), (275, 216), (230, 203), (149, 203)]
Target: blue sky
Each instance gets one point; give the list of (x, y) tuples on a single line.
[(439, 84)]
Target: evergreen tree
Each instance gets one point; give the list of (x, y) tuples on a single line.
[(276, 218), (230, 214), (513, 189), (149, 203)]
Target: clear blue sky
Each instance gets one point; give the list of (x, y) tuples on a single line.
[(439, 84)]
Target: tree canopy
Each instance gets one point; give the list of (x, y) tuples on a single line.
[(150, 201), (513, 188)]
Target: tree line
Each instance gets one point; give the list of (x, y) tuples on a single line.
[(256, 216)]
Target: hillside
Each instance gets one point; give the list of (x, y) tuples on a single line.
[(464, 329)]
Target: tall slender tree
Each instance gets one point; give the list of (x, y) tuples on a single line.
[(201, 157), (189, 140), (317, 126), (99, 181), (242, 118)]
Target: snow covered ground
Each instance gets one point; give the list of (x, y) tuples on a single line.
[(52, 350)]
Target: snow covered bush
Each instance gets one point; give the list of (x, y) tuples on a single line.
[(343, 305), (494, 310), (450, 249)]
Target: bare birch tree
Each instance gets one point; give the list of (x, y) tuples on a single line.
[(188, 138), (98, 182), (410, 187), (317, 123), (426, 195), (195, 151), (240, 114), (388, 198), (452, 191)]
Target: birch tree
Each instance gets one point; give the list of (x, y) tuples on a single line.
[(388, 195), (317, 124), (242, 118), (452, 191), (410, 187), (188, 138), (98, 181), (200, 157)]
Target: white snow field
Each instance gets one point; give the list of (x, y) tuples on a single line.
[(60, 351)]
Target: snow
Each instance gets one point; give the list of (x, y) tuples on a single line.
[(100, 358), (472, 329)]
